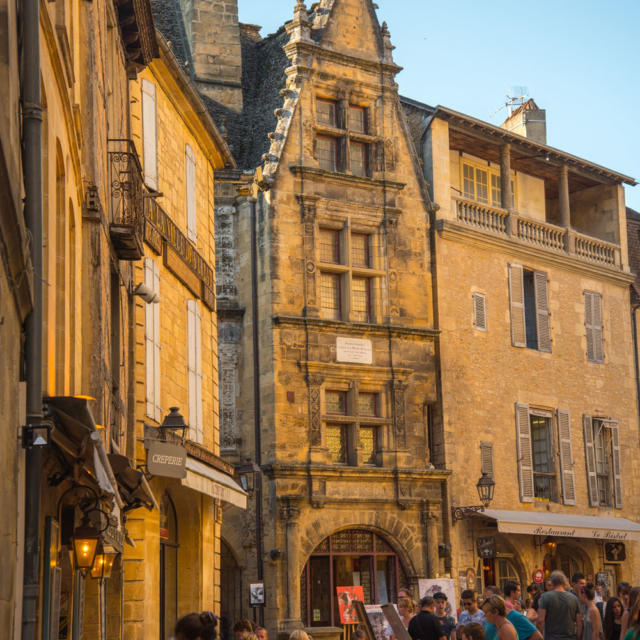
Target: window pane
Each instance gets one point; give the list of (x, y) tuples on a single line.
[(496, 191), (368, 404), (360, 250), (330, 296), (358, 158), (361, 299), (469, 182), (337, 442), (540, 444), (357, 119), (326, 112), (330, 246), (327, 153), (336, 402), (481, 186), (368, 444)]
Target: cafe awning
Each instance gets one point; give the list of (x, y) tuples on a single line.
[(563, 525), (212, 482)]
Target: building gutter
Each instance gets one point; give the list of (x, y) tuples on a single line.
[(634, 328), (32, 166)]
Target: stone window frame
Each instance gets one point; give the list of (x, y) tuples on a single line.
[(347, 226), (341, 130), (353, 421)]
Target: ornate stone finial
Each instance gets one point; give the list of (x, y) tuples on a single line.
[(386, 41), (299, 29)]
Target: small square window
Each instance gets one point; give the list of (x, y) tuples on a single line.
[(328, 153), (369, 445), (329, 246), (336, 435), (336, 402), (326, 110), (368, 404), (360, 250), (358, 119), (358, 158)]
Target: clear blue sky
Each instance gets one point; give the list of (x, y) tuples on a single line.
[(579, 59)]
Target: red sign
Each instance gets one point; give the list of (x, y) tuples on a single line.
[(538, 576)]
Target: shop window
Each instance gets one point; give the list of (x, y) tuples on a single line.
[(499, 571), (348, 557)]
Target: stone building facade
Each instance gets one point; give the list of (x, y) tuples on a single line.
[(532, 274)]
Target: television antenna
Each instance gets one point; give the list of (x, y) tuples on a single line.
[(515, 97)]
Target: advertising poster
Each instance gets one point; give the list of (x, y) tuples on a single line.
[(429, 586), (346, 595)]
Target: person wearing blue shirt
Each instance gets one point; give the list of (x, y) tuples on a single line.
[(525, 629)]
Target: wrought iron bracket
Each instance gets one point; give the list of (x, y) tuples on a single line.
[(460, 513)]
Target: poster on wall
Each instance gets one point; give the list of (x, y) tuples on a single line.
[(429, 586), (346, 596), (256, 594)]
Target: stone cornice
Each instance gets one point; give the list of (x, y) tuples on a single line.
[(356, 328), (293, 470), (343, 178), (450, 230), (342, 370)]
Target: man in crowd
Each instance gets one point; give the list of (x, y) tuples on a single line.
[(559, 616), (524, 628), (447, 623), (512, 593), (424, 625), (470, 611)]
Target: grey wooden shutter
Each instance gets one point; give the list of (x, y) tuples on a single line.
[(590, 460), (525, 457), (479, 311), (542, 311), (593, 325), (516, 300), (617, 470), (566, 457), (149, 134), (486, 458)]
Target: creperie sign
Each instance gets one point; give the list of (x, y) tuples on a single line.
[(167, 460)]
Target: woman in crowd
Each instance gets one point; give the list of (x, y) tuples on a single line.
[(625, 623), (592, 623), (633, 632), (612, 619), (495, 612), (406, 607)]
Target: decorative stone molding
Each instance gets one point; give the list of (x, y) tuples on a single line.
[(399, 419), (315, 414)]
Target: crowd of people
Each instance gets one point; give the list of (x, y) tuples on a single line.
[(563, 610), (576, 610)]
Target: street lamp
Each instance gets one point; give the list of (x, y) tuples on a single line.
[(85, 544), (485, 486), (103, 564), (247, 473), (173, 421)]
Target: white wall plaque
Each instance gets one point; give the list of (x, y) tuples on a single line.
[(354, 350)]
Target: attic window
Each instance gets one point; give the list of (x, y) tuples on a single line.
[(327, 112)]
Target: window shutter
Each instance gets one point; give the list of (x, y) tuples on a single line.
[(191, 367), (516, 297), (148, 343), (149, 134), (590, 460), (198, 363), (190, 163), (525, 457), (617, 470), (486, 458), (156, 343), (479, 311), (593, 324), (566, 457), (542, 311)]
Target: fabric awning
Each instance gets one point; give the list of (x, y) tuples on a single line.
[(564, 525), (205, 479)]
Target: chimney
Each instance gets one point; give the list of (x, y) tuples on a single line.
[(528, 120), (214, 38)]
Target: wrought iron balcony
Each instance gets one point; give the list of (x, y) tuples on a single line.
[(127, 195)]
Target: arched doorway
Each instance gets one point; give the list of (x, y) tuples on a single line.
[(168, 567), (230, 591), (570, 560), (348, 558)]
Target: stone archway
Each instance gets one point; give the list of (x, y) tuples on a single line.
[(570, 558)]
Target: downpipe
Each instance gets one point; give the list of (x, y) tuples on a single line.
[(32, 167), (634, 328)]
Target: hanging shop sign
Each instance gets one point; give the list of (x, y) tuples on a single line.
[(615, 552), (486, 547), (538, 576), (167, 460)]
